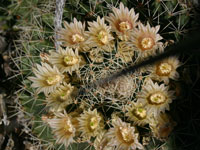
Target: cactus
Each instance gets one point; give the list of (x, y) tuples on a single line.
[(104, 105)]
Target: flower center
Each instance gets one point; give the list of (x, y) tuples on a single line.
[(65, 95), (164, 69), (124, 26), (140, 113), (103, 37), (147, 43), (70, 60), (126, 135), (93, 123), (77, 38), (53, 80), (68, 128), (156, 98)]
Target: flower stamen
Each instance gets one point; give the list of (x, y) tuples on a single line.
[(125, 134), (103, 37), (124, 26), (164, 69), (64, 96), (140, 113), (77, 38), (93, 123), (52, 80), (156, 98), (147, 43), (70, 60)]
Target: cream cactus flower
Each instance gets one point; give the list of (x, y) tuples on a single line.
[(162, 126), (63, 128), (137, 112), (123, 21), (47, 78), (66, 60), (91, 123), (99, 35), (165, 69), (123, 136), (146, 40), (61, 97), (156, 98), (73, 35)]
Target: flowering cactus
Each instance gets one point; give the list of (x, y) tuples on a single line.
[(112, 115)]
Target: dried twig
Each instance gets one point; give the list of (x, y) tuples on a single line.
[(58, 20), (4, 111)]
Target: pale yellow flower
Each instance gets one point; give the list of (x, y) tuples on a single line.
[(62, 128), (123, 136), (165, 70), (66, 60), (123, 21), (99, 35), (74, 115), (162, 126), (47, 78), (137, 112), (146, 40), (155, 98), (91, 123), (61, 97), (73, 35)]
